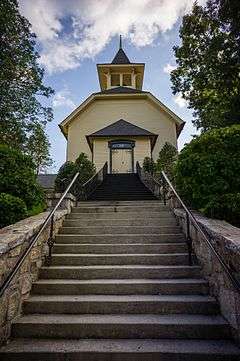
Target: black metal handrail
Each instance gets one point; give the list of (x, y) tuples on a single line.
[(35, 238), (191, 218), (90, 186)]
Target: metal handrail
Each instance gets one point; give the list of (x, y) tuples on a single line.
[(50, 218), (207, 239), (93, 182), (20, 261), (190, 217)]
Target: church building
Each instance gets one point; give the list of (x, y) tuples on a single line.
[(122, 123)]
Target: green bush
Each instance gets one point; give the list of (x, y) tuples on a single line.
[(12, 209), (166, 160), (18, 178), (148, 165), (67, 171), (208, 173)]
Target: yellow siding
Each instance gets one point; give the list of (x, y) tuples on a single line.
[(101, 151), (101, 113)]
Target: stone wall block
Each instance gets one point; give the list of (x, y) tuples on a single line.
[(14, 240), (3, 267), (226, 240), (14, 304), (25, 283), (5, 332), (3, 309)]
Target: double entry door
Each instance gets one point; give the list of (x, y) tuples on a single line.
[(122, 160)]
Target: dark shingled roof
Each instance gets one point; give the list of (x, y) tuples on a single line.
[(121, 89), (121, 58), (46, 180), (122, 128)]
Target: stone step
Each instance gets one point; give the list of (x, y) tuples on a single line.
[(118, 203), (118, 350), (130, 195), (75, 259), (119, 272), (120, 238), (120, 215), (121, 286), (153, 222), (116, 304), (129, 248), (122, 326), (116, 209), (120, 230)]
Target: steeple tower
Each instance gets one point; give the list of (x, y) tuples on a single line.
[(120, 72)]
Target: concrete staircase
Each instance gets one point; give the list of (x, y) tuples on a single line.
[(120, 288)]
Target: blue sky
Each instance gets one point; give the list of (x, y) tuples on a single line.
[(75, 35)]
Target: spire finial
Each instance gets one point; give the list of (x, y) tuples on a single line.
[(120, 42)]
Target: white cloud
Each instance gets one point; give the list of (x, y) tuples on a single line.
[(178, 99), (62, 99), (168, 68), (93, 23)]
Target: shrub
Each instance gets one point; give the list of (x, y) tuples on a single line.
[(148, 165), (12, 209), (18, 178), (166, 160), (208, 173), (67, 171)]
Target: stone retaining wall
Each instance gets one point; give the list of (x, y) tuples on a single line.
[(14, 239), (226, 240)]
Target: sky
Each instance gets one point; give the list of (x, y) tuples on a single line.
[(74, 35)]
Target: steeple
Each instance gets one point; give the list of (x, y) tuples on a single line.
[(120, 57), (121, 72)]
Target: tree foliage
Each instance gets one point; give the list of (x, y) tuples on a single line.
[(166, 159), (208, 63), (21, 79), (12, 209), (149, 165), (67, 171), (207, 173), (18, 177), (38, 148)]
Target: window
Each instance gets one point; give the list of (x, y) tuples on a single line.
[(127, 80), (115, 80)]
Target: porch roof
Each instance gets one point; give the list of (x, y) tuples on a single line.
[(122, 128)]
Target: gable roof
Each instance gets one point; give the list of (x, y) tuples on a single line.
[(121, 92), (121, 58), (122, 128)]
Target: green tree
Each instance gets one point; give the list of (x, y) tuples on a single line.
[(207, 173), (166, 159), (18, 177), (208, 63), (12, 209), (38, 148), (149, 165), (67, 171), (21, 78)]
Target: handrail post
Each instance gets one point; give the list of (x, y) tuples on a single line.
[(164, 191), (189, 240), (50, 242)]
